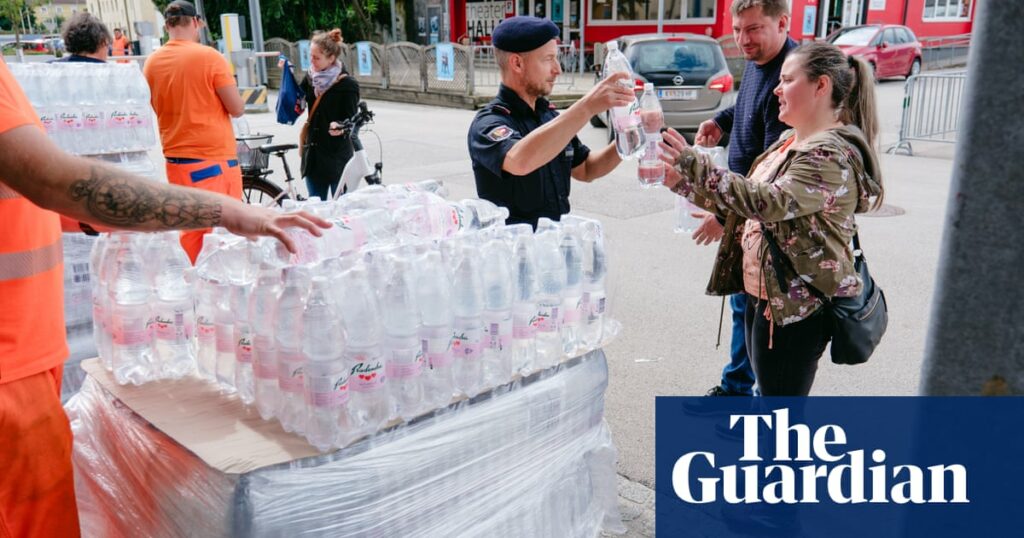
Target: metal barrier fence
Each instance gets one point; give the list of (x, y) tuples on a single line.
[(486, 73), (931, 109), (945, 51)]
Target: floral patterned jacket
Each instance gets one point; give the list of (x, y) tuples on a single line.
[(808, 205)]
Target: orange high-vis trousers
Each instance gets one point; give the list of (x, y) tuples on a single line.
[(37, 489), (224, 177)]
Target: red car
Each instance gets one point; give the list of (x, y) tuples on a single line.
[(892, 50)]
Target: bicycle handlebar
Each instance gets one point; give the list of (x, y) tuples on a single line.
[(363, 116)]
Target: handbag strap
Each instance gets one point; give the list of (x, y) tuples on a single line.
[(316, 103), (779, 258)]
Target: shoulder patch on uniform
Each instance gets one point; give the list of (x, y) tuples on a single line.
[(500, 133), (552, 106)]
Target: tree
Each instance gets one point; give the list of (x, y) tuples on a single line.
[(298, 19), (15, 12)]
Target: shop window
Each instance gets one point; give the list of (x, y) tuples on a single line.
[(946, 9), (647, 10)]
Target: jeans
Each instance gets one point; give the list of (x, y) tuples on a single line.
[(788, 366), (320, 188), (738, 375)]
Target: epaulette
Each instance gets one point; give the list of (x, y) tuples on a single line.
[(501, 109)]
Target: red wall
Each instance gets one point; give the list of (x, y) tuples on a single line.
[(914, 19)]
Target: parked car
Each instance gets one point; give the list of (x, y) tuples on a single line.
[(891, 50), (689, 74)]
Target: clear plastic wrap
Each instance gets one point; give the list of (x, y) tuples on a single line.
[(533, 458), (77, 310)]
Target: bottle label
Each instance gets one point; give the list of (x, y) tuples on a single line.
[(70, 121), (92, 120), (289, 371), (437, 346), (243, 348), (225, 338), (119, 119), (466, 342), (129, 331), (400, 366), (524, 323), (572, 312), (205, 329), (547, 317), (49, 122), (328, 391), (264, 358), (498, 333), (367, 375), (168, 329)]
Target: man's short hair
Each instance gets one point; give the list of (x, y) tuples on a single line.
[(771, 8), (501, 56), (85, 34)]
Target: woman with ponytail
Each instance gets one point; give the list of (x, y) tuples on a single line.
[(799, 201), (331, 95)]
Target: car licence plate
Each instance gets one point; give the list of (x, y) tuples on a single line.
[(680, 95)]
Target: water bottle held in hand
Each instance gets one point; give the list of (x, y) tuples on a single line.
[(651, 172), (625, 120)]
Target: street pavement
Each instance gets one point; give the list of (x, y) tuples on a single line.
[(657, 278)]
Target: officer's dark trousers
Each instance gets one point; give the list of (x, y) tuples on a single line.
[(785, 359)]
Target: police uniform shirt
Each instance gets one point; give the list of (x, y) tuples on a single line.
[(541, 193)]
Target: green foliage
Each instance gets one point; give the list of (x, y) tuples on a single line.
[(11, 15), (298, 19)]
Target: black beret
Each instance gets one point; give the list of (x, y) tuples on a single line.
[(523, 34)]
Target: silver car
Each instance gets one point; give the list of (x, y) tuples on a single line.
[(689, 74)]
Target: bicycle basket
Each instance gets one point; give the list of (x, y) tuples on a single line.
[(250, 158)]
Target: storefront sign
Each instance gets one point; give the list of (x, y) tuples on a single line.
[(482, 17)]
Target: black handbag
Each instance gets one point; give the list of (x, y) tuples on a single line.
[(858, 323)]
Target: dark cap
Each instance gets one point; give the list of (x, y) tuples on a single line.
[(523, 34), (181, 8)]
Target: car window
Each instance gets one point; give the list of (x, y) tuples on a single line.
[(673, 56), (908, 36), (889, 37), (855, 36)]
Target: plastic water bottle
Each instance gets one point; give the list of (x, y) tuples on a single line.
[(326, 375), (369, 399), (551, 285), (404, 358), (242, 339), (224, 327), (433, 296), (206, 330), (685, 222), (262, 309), (572, 298), (498, 326), (94, 125), (291, 409), (595, 268), (467, 326), (99, 261), (130, 295), (173, 309), (625, 120), (524, 317), (651, 171)]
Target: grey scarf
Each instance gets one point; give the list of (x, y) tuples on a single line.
[(323, 79)]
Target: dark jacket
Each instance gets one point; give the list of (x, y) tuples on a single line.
[(325, 158)]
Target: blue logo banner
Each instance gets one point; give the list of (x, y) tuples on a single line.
[(870, 466)]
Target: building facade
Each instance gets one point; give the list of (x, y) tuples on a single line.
[(52, 14), (134, 17), (603, 20)]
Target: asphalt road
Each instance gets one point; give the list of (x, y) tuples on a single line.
[(657, 278)]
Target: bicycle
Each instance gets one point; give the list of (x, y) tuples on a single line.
[(254, 153)]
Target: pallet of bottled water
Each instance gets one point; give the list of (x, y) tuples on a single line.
[(407, 303), (97, 110)]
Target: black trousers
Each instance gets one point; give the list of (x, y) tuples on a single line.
[(788, 367)]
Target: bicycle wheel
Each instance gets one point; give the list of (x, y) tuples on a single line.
[(258, 191)]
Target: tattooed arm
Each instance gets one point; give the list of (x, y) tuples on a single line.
[(93, 192)]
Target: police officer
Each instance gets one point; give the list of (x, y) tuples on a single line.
[(523, 151)]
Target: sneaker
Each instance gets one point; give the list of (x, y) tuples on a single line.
[(704, 407)]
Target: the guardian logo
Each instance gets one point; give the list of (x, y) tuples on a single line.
[(818, 469)]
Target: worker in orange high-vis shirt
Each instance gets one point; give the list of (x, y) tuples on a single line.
[(195, 95), (120, 46), (38, 184)]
